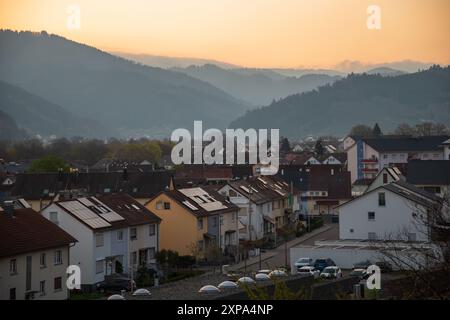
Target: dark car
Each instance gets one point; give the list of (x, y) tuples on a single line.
[(362, 264), (115, 284), (360, 273), (385, 267), (321, 264)]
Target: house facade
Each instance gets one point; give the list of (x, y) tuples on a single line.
[(117, 234), (389, 212), (367, 156), (34, 257), (194, 220)]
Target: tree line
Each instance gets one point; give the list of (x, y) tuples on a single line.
[(88, 151)]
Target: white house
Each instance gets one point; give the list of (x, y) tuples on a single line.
[(116, 234), (386, 213)]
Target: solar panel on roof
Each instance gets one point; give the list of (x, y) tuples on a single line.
[(85, 214), (245, 189), (111, 216), (86, 202), (190, 205), (97, 223), (213, 206)]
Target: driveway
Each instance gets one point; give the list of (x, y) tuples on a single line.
[(276, 258)]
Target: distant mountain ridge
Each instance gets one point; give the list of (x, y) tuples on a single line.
[(9, 129), (38, 116), (124, 96), (358, 99), (256, 86)]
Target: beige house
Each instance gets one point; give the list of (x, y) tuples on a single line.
[(34, 256)]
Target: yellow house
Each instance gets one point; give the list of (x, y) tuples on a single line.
[(193, 219)]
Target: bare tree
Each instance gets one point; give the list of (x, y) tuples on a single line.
[(425, 263)]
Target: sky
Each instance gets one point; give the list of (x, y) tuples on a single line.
[(252, 33)]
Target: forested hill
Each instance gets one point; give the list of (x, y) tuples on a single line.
[(120, 94), (358, 99)]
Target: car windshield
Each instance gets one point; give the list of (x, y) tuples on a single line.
[(304, 270), (303, 260), (320, 261), (329, 270)]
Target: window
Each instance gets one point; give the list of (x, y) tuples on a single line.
[(107, 190), (233, 193), (134, 258), (12, 294), (351, 230), (133, 234), (151, 253), (152, 229), (120, 235), (200, 245), (54, 217), (214, 222), (43, 260), (99, 266), (13, 266), (99, 240), (382, 199), (372, 236), (58, 284), (159, 205), (42, 288), (58, 257), (385, 178), (385, 156), (166, 205), (200, 223), (371, 215)]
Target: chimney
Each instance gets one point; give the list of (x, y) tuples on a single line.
[(8, 207)]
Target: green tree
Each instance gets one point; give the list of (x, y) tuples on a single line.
[(377, 131), (318, 148), (361, 130), (285, 145), (48, 163)]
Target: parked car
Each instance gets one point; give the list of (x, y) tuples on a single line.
[(361, 273), (362, 264), (385, 267), (309, 270), (115, 284), (332, 272), (321, 264), (303, 262)]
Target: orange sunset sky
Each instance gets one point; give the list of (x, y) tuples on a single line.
[(254, 33)]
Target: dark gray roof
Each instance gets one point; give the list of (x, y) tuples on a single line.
[(386, 144), (429, 172), (35, 186)]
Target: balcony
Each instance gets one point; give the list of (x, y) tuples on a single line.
[(371, 160), (370, 170)]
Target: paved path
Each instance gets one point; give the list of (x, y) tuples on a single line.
[(275, 258)]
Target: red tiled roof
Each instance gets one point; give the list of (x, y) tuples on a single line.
[(28, 231)]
